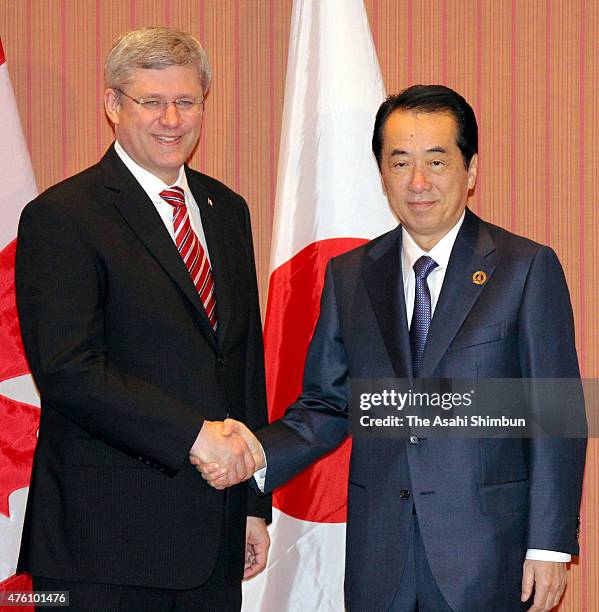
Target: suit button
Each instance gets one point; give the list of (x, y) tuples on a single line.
[(220, 361), (414, 440), (404, 494)]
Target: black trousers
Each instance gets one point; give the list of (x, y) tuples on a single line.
[(95, 597), (214, 595)]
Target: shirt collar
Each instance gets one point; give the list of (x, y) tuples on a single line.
[(411, 252), (150, 183)]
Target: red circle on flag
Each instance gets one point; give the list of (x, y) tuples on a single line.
[(318, 494)]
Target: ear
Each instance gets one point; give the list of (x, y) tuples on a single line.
[(383, 183), (472, 171), (112, 105)]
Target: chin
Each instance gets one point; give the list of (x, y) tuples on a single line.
[(169, 162)]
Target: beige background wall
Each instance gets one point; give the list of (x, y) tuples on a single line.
[(530, 69)]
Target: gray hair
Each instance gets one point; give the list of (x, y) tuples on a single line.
[(155, 48)]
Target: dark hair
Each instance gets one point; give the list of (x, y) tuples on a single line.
[(430, 99)]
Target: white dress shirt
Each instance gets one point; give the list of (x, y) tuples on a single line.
[(411, 252), (152, 185)]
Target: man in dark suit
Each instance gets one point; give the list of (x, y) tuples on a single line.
[(138, 303), (437, 524)]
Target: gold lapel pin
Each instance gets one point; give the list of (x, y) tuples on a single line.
[(479, 277), (210, 202)]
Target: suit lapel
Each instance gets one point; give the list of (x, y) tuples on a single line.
[(213, 230), (383, 278), (459, 293), (141, 215)]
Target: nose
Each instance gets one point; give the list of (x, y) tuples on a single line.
[(170, 116), (419, 182)]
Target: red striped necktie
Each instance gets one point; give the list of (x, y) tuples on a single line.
[(192, 252)]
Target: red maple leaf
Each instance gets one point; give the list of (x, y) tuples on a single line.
[(18, 421)]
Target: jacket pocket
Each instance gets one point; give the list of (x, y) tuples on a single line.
[(483, 335), (504, 497)]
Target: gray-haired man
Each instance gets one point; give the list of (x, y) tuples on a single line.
[(138, 304)]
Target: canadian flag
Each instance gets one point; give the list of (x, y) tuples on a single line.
[(18, 415), (329, 199)]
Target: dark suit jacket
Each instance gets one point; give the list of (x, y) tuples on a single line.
[(128, 368), (480, 502)]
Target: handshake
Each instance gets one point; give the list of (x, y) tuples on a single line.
[(226, 453)]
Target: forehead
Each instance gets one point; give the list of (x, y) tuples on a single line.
[(413, 129), (170, 80)]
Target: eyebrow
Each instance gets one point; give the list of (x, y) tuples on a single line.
[(431, 150)]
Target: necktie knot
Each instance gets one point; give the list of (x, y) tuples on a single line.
[(424, 266), (175, 196)]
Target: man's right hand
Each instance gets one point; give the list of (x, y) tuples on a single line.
[(215, 472), (221, 445)]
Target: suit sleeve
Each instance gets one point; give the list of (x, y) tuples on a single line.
[(60, 286), (255, 387), (318, 421), (547, 351)]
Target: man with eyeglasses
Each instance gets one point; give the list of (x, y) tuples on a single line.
[(138, 303)]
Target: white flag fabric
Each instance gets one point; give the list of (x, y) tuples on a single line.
[(329, 199), (16, 174), (18, 418)]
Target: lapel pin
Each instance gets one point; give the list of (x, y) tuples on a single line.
[(479, 277), (210, 202)]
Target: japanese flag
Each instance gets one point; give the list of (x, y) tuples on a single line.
[(329, 199)]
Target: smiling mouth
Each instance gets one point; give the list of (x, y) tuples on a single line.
[(421, 203), (167, 140)]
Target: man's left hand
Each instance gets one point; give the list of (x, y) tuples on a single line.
[(549, 581), (257, 543)]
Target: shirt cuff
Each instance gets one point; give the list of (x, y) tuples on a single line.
[(260, 475), (536, 554)]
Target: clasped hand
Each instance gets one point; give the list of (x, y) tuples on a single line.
[(226, 453)]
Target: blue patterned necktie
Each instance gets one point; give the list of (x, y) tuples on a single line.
[(421, 317)]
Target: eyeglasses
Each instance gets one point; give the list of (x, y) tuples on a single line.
[(156, 106)]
